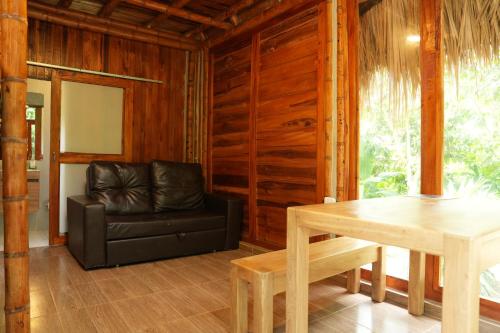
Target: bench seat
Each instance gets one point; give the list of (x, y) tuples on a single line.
[(267, 274)]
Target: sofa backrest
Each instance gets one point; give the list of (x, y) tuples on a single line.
[(123, 188), (176, 186)]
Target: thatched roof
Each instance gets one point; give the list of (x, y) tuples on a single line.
[(471, 34)]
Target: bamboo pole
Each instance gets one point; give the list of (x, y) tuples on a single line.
[(108, 8), (204, 110), (233, 10), (342, 103), (14, 46), (189, 134), (159, 19), (329, 98), (187, 15), (92, 23)]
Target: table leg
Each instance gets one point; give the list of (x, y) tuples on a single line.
[(416, 283), (297, 292), (461, 286), (239, 303)]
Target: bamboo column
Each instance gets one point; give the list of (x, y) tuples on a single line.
[(342, 102), (13, 43)]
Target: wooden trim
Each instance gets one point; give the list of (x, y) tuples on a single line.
[(93, 23), (252, 133), (108, 8), (58, 158), (55, 144), (353, 123), (320, 113), (187, 15)]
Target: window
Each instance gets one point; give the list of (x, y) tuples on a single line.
[(472, 142)]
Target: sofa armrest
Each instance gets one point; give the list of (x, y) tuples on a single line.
[(87, 231), (232, 208)]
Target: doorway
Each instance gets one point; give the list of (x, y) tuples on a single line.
[(38, 124)]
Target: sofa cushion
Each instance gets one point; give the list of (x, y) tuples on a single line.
[(176, 186), (174, 222), (123, 188)]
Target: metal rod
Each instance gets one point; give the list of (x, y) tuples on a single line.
[(86, 71)]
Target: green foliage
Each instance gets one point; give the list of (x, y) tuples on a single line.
[(390, 148)]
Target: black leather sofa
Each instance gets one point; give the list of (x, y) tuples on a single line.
[(139, 212)]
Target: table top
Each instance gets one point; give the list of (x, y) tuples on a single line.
[(406, 217)]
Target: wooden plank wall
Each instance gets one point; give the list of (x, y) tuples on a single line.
[(158, 108), (268, 140)]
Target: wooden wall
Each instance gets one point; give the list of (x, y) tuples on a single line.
[(267, 139), (158, 108)]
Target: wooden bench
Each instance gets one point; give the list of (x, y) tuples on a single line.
[(267, 274)]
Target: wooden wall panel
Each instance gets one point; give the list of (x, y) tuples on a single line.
[(286, 122), (158, 108), (230, 121), (267, 122)]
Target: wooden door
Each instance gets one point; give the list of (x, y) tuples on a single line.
[(57, 157)]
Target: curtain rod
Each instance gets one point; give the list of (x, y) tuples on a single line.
[(86, 71)]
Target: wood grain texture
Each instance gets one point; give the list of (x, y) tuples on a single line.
[(267, 135), (431, 72), (157, 115), (13, 74)]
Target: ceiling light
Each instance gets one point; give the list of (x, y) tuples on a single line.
[(413, 38)]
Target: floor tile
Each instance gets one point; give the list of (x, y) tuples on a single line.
[(77, 321), (106, 319)]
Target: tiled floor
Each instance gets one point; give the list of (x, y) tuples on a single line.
[(188, 294)]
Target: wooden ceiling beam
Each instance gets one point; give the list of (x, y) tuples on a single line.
[(79, 20), (178, 12), (159, 19), (64, 3), (280, 8), (232, 11), (108, 8)]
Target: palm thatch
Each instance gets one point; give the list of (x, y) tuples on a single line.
[(471, 35)]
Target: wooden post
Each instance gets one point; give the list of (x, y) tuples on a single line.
[(432, 119), (14, 46), (431, 72)]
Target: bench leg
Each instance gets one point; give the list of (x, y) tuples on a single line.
[(263, 303), (239, 303), (416, 283), (353, 280), (378, 276)]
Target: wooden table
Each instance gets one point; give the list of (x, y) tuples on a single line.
[(465, 232)]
